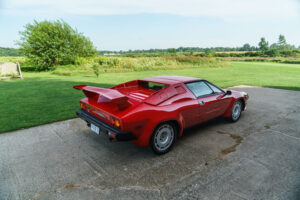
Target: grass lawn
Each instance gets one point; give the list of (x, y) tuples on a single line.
[(44, 97)]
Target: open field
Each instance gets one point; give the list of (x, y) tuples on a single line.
[(45, 97), (127, 64)]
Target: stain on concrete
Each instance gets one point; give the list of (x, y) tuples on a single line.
[(238, 140), (68, 186), (36, 196), (267, 126)]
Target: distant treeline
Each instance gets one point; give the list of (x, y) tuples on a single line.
[(245, 47), (227, 51), (267, 53), (8, 52), (280, 48)]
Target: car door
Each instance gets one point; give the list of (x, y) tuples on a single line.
[(208, 99), (208, 109), (190, 112), (221, 102)]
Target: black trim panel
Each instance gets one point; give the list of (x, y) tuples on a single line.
[(120, 135)]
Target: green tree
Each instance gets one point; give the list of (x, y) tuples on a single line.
[(282, 42), (290, 47), (50, 43), (263, 44), (274, 46), (8, 52), (172, 50), (246, 47), (96, 69), (272, 52)]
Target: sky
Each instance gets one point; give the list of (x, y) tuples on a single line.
[(146, 24)]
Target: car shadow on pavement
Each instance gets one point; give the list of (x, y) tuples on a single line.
[(197, 129)]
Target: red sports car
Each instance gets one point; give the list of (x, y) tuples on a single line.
[(155, 111)]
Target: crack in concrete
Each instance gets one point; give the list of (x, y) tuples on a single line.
[(59, 136), (281, 133), (100, 188), (284, 116), (238, 194)]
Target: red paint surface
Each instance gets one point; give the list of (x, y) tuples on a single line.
[(140, 110)]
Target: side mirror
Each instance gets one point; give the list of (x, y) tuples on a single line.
[(228, 92)]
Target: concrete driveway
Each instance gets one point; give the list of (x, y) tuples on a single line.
[(256, 158)]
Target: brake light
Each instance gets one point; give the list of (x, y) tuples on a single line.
[(116, 122), (82, 105)]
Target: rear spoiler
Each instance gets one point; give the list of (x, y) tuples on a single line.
[(97, 94)]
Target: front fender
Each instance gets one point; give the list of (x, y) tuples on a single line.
[(228, 111)]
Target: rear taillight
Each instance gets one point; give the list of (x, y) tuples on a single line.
[(82, 105), (116, 122)]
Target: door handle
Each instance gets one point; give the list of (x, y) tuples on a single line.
[(202, 103)]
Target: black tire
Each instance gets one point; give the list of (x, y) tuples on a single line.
[(236, 111), (163, 138)]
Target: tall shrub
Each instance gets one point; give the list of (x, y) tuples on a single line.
[(50, 43)]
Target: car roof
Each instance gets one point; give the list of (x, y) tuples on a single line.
[(170, 80)]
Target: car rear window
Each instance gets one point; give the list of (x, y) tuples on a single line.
[(152, 85)]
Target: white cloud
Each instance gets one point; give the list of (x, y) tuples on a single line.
[(225, 9)]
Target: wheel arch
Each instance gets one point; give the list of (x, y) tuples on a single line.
[(172, 121), (153, 144), (243, 102), (228, 111)]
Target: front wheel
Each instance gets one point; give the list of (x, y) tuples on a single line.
[(163, 138), (236, 111)]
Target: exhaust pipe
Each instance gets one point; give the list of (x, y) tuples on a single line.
[(112, 137)]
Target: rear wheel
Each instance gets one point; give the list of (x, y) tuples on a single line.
[(236, 111), (163, 138)]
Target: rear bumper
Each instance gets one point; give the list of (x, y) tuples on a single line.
[(119, 135)]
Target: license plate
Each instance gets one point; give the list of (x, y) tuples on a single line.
[(95, 128)]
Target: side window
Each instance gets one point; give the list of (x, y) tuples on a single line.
[(199, 88), (214, 88)]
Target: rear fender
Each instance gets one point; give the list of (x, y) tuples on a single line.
[(144, 138)]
